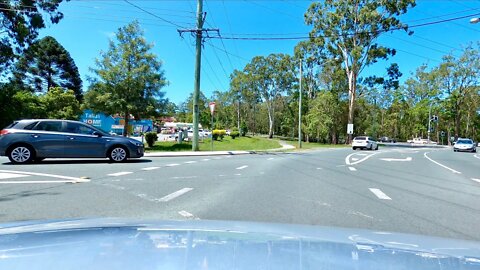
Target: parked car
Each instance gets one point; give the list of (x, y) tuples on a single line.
[(25, 141), (388, 140), (465, 144), (421, 141), (364, 142)]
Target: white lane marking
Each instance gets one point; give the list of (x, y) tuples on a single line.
[(357, 213), (397, 159), (238, 174), (172, 165), (190, 162), (379, 194), (205, 159), (354, 159), (362, 154), (477, 156), (242, 167), (476, 180), (441, 165), (175, 194), (119, 173), (270, 158), (150, 168), (11, 175), (319, 168), (186, 214), (183, 177), (73, 179), (347, 159), (222, 175), (352, 169)]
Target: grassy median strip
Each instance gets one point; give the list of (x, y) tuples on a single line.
[(227, 144)]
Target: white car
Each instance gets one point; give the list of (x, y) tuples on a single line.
[(364, 142)]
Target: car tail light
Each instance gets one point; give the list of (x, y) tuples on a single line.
[(3, 132)]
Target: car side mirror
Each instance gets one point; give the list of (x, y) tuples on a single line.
[(97, 134)]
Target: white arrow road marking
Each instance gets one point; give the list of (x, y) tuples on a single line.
[(150, 168), (379, 194), (347, 159), (476, 180), (175, 194), (66, 179), (354, 159), (352, 169), (119, 173), (441, 165), (11, 175), (242, 167), (397, 159)]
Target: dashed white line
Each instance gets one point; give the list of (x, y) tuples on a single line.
[(175, 194), (183, 177), (186, 214), (172, 165), (270, 158), (352, 169), (190, 162), (476, 180), (379, 194), (441, 165), (119, 173), (319, 168), (150, 168), (242, 167), (238, 174), (205, 159)]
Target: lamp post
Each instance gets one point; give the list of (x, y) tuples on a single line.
[(474, 20)]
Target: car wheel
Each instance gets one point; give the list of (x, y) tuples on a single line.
[(354, 148), (21, 154), (371, 147), (118, 154), (376, 148)]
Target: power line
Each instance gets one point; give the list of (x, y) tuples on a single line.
[(418, 55), (153, 14), (231, 54), (417, 44), (229, 26)]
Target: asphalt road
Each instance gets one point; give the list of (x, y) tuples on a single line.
[(423, 190)]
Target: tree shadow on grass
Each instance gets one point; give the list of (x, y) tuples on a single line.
[(171, 148)]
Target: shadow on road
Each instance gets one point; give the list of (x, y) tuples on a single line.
[(79, 161)]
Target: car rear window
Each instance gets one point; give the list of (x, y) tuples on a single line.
[(360, 138), (22, 125)]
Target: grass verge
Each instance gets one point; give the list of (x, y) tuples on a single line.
[(228, 144)]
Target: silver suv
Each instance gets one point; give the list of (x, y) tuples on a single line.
[(25, 141)]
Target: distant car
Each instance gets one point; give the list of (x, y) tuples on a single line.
[(466, 145), (387, 140), (364, 142), (25, 141), (421, 141)]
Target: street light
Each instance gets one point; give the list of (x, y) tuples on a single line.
[(474, 20)]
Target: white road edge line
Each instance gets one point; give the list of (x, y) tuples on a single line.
[(150, 168), (175, 194), (476, 180), (119, 173), (439, 164), (379, 194), (352, 169), (73, 179), (242, 167)]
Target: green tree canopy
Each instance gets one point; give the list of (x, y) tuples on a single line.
[(47, 64), (129, 77)]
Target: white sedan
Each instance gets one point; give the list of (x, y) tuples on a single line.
[(364, 142)]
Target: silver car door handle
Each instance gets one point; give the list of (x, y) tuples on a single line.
[(72, 138), (34, 135)]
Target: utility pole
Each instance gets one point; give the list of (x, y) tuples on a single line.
[(429, 121), (198, 63), (300, 108)]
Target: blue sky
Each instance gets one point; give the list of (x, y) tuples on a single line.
[(88, 25)]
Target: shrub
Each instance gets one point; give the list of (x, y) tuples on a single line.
[(234, 133), (243, 129), (151, 138), (218, 133)]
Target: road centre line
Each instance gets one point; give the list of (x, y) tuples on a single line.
[(439, 164), (150, 168), (73, 179), (119, 173), (172, 165), (175, 194), (242, 167), (379, 194)]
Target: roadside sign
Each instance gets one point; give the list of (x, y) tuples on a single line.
[(442, 133), (212, 107), (349, 128)]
